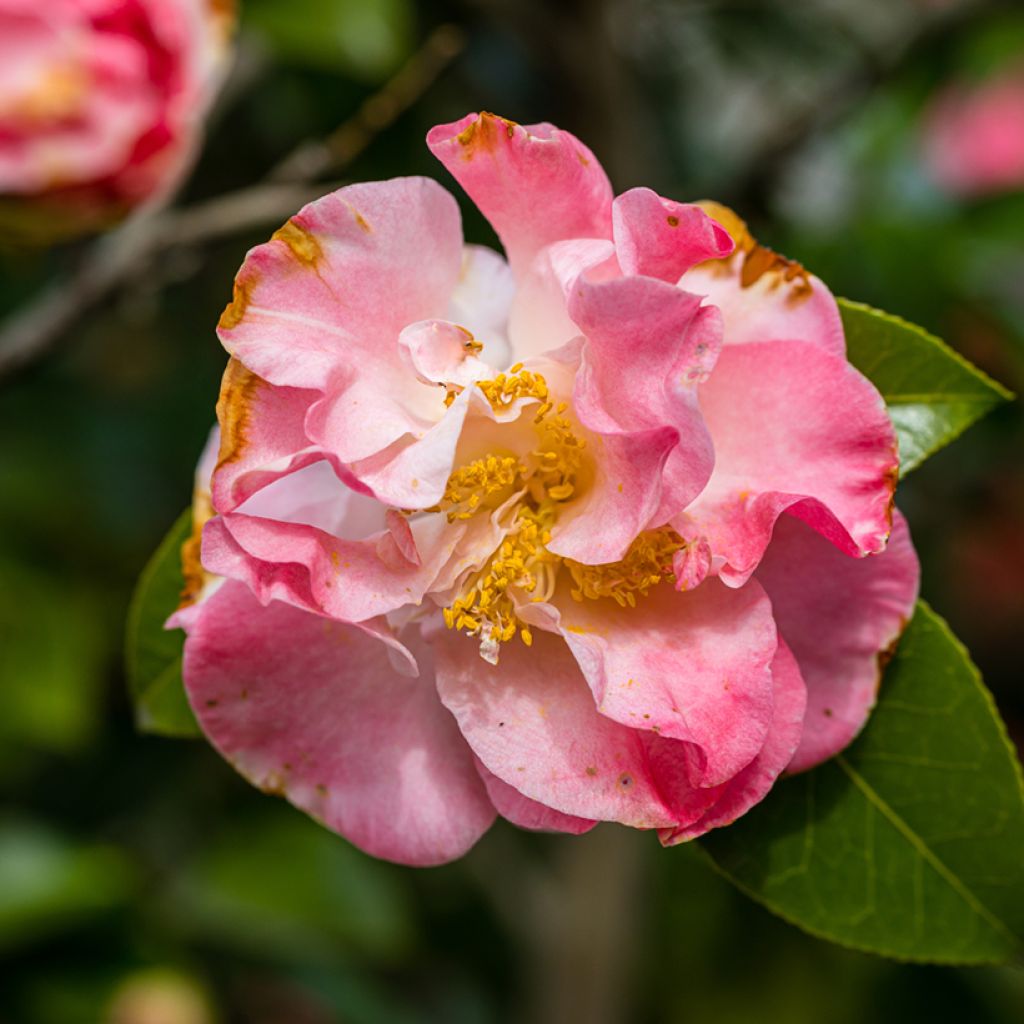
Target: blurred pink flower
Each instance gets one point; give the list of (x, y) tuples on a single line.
[(575, 537), (101, 102), (974, 135)]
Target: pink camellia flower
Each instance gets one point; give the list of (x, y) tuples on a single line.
[(101, 102), (570, 538), (974, 136)]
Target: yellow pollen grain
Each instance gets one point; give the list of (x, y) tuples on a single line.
[(647, 562)]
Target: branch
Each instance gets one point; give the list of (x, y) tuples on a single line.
[(115, 259)]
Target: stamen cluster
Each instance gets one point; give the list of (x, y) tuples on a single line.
[(546, 478)]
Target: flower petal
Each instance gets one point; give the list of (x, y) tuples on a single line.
[(262, 435), (335, 286), (735, 797), (349, 579), (535, 184), (690, 666), (764, 296), (527, 813), (840, 616), (531, 720), (481, 302), (662, 238), (794, 428), (539, 319), (648, 344), (314, 711)]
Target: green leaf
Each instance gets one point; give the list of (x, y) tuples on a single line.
[(910, 843), (932, 392), (152, 653)]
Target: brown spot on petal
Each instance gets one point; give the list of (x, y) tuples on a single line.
[(303, 244), (591, 771), (234, 311), (756, 262), (673, 220), (192, 571), (892, 478), (885, 655), (482, 134), (238, 389), (362, 222), (625, 780), (274, 784)]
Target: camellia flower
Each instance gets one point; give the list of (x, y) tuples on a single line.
[(974, 136), (595, 534), (100, 103)]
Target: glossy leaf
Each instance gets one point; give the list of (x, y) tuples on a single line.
[(932, 392), (152, 653), (910, 843)]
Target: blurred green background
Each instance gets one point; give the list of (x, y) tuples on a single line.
[(141, 881)]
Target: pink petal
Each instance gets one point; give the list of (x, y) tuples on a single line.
[(539, 320), (348, 579), (262, 435), (690, 666), (735, 797), (662, 238), (481, 302), (313, 710), (413, 470), (648, 344), (440, 352), (763, 296), (335, 286), (535, 184), (527, 813), (841, 616), (794, 428), (531, 720)]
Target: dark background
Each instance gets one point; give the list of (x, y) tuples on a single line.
[(141, 881)]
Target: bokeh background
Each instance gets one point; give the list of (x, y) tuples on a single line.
[(141, 881)]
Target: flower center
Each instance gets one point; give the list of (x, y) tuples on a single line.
[(542, 481)]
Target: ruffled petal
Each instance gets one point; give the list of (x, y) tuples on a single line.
[(349, 579), (335, 286), (735, 797), (313, 710), (648, 344), (532, 722), (482, 300), (764, 296), (539, 320), (527, 813), (262, 435), (662, 238), (688, 666), (841, 616), (536, 184), (794, 428)]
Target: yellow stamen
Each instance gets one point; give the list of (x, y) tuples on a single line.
[(647, 562)]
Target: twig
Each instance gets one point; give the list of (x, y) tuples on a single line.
[(112, 261)]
